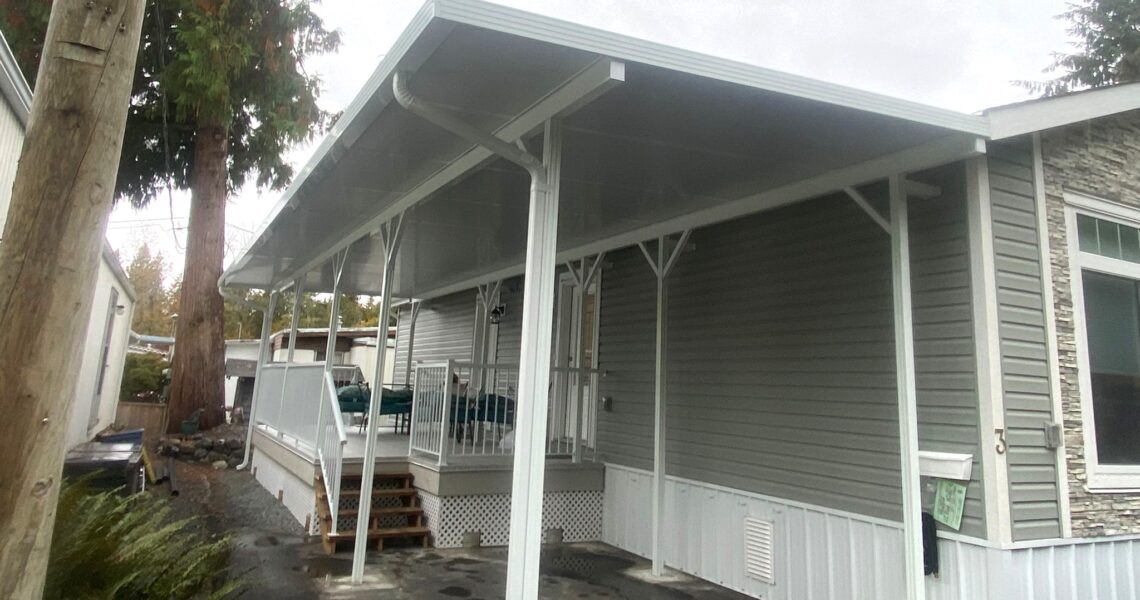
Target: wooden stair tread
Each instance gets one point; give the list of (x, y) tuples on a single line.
[(382, 533), (382, 511), (388, 493), (376, 476)]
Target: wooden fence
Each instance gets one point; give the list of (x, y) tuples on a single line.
[(146, 415)]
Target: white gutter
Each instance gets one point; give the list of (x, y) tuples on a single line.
[(13, 84)]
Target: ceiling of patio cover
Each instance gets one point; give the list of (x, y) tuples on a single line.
[(664, 143)]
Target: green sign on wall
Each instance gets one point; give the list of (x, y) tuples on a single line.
[(949, 502)]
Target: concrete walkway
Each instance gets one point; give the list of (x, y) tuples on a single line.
[(587, 570), (275, 560)]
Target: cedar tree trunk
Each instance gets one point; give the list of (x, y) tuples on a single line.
[(61, 201), (198, 372)]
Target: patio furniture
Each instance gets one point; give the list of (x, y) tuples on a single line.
[(356, 398), (190, 426)]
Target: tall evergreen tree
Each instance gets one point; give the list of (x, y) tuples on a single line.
[(220, 93), (147, 273), (1107, 47)]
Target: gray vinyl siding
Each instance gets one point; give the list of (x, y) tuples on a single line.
[(403, 330), (445, 330), (781, 356), (945, 361), (510, 326), (1033, 490), (781, 364)]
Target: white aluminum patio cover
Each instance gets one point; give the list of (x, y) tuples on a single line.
[(659, 140)]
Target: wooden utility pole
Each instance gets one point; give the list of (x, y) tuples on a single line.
[(61, 201)]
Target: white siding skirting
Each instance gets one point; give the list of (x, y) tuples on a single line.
[(297, 495), (824, 554)]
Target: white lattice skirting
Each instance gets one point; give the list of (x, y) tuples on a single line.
[(578, 514)]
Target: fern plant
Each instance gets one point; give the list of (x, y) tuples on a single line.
[(107, 546)]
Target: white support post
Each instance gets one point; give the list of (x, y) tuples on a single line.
[(534, 372), (330, 341), (907, 398), (583, 278), (390, 234), (295, 318), (487, 293), (661, 267), (449, 391), (264, 353), (411, 342)]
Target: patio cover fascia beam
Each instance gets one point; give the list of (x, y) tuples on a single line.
[(564, 99), (925, 156)]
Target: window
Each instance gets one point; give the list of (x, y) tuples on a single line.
[(1104, 253), (1112, 305)]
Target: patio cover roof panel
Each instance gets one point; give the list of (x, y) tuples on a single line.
[(666, 143)]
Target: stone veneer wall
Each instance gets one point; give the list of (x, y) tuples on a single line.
[(1101, 158)]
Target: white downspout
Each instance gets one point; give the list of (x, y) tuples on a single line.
[(263, 354), (537, 317)]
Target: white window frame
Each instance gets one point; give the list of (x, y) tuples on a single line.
[(1101, 478)]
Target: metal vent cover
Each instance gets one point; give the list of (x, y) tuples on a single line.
[(759, 536)]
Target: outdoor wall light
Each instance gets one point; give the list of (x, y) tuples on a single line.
[(498, 313), (120, 309)]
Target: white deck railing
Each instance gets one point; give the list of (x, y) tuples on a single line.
[(465, 412), (330, 447), (289, 402)]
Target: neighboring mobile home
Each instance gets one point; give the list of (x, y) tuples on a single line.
[(775, 319), (107, 326), (355, 346)]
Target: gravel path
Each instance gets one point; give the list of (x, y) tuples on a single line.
[(267, 540)]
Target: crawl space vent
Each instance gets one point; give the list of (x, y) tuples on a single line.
[(758, 542)]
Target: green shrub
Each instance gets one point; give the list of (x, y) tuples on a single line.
[(142, 378), (109, 546)]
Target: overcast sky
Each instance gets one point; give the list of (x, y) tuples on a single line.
[(961, 54)]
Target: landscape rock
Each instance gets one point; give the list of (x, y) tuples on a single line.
[(233, 462), (219, 445), (234, 444), (200, 454), (203, 444), (219, 464)]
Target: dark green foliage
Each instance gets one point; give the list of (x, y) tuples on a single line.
[(228, 62), (244, 322), (143, 378), (1107, 47), (108, 546)]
